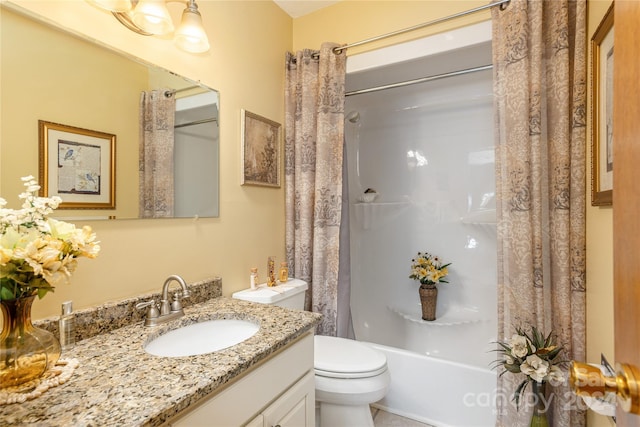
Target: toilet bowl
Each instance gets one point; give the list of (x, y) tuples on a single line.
[(349, 375)]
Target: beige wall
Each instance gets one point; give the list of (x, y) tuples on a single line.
[(47, 76), (245, 63), (600, 336)]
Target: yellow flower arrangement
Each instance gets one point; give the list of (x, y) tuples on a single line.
[(428, 269)]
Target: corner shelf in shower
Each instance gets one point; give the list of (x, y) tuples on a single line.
[(375, 214), (452, 317)]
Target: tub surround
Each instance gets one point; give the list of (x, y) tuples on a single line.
[(118, 383)]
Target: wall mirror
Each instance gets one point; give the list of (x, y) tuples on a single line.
[(56, 77)]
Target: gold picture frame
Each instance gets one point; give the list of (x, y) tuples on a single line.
[(602, 112), (77, 165), (260, 150)]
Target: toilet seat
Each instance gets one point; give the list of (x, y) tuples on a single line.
[(345, 358)]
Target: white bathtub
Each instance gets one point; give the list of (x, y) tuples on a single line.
[(438, 392)]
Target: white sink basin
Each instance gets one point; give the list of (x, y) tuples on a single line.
[(201, 338)]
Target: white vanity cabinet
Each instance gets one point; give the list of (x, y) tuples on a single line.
[(279, 391), (293, 409)]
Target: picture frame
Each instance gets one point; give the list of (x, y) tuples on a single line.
[(260, 150), (602, 112), (77, 165)]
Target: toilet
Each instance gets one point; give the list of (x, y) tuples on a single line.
[(349, 375)]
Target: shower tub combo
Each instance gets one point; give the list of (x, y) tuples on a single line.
[(428, 151)]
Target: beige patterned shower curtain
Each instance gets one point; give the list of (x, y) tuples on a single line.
[(156, 189), (314, 132), (540, 87)]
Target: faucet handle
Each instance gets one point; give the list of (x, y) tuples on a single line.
[(176, 305), (153, 311)]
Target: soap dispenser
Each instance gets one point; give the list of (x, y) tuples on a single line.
[(66, 326)]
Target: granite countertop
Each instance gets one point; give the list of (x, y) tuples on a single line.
[(118, 384)]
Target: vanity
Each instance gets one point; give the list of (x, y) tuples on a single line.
[(265, 380)]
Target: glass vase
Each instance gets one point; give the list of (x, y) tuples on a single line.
[(540, 408), (26, 352)]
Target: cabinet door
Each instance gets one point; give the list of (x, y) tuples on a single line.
[(269, 382), (296, 407)]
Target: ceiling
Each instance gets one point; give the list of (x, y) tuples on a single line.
[(298, 8)]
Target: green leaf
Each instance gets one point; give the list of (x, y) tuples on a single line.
[(552, 354), (519, 392), (512, 368), (6, 294), (42, 291), (504, 346), (537, 337)]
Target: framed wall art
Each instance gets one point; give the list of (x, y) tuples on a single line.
[(602, 113), (77, 165), (260, 150)]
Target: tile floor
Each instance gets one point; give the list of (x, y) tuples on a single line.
[(386, 419)]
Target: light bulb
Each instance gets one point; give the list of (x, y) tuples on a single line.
[(190, 35), (153, 17)]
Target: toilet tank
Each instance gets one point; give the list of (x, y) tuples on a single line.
[(289, 294)]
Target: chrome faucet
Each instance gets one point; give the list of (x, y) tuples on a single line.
[(168, 310)]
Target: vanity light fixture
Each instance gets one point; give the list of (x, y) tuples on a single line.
[(151, 17)]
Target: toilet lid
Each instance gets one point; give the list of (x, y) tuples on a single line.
[(345, 358)]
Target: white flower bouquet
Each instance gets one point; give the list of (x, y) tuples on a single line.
[(534, 355), (36, 252)]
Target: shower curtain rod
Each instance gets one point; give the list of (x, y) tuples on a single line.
[(420, 80), (501, 3), (170, 93), (195, 122)]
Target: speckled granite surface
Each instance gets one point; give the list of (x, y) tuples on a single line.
[(119, 384), (113, 315)]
